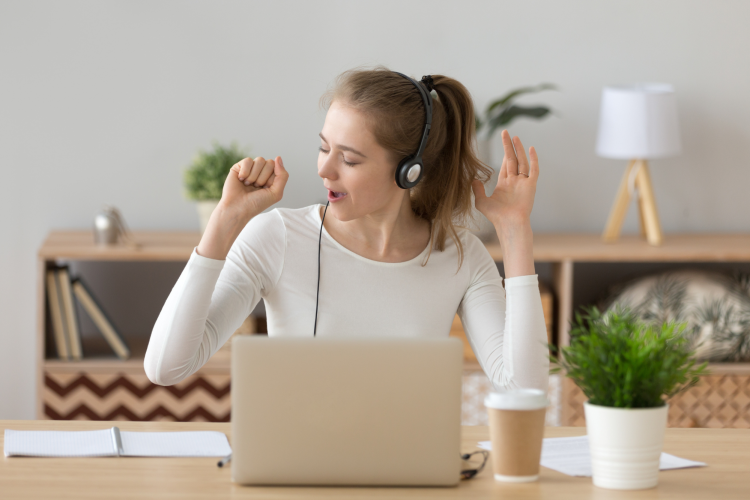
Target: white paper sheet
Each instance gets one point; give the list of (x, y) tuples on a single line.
[(59, 443), (175, 444), (99, 443), (571, 456)]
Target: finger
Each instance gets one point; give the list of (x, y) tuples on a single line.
[(269, 182), (534, 165), (258, 164), (479, 194), (281, 176), (246, 164), (510, 154), (523, 162), (265, 174)]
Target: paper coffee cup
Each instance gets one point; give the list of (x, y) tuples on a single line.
[(516, 430)]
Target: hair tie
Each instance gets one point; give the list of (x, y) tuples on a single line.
[(427, 81)]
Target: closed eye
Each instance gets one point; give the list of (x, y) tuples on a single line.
[(326, 151)]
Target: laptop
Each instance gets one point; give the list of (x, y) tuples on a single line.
[(317, 411)]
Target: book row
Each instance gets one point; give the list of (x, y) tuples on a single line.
[(62, 292)]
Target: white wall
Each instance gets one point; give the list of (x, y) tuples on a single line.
[(106, 102)]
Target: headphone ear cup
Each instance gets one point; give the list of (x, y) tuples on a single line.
[(409, 172)]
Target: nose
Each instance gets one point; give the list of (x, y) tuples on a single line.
[(327, 166)]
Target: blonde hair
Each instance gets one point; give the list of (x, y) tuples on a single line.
[(394, 113)]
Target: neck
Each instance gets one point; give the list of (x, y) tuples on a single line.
[(388, 234)]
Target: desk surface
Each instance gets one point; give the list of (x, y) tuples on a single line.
[(727, 451)]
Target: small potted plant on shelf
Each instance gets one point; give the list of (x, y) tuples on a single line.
[(628, 369), (205, 177)]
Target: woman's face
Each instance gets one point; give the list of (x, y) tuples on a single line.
[(356, 170)]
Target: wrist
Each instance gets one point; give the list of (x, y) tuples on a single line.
[(508, 226), (222, 230), (230, 217)]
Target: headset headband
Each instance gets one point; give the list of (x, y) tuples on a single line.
[(410, 169)]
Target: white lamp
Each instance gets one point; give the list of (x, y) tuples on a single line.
[(637, 123)]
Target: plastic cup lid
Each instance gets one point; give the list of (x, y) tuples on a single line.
[(517, 399)]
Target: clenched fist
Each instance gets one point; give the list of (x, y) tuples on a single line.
[(253, 185)]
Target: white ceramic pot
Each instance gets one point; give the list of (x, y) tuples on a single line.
[(625, 445), (205, 209)]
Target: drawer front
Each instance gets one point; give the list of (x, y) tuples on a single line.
[(131, 396), (718, 401)]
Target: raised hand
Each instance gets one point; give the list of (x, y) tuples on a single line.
[(513, 198), (253, 185), (250, 187)]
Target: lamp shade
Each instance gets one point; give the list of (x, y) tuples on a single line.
[(638, 122)]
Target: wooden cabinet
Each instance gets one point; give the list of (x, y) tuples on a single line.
[(580, 268), (103, 387)]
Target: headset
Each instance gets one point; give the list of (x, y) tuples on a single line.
[(410, 169), (408, 172)]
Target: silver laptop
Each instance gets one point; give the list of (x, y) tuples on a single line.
[(316, 411)]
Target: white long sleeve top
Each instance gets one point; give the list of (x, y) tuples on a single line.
[(275, 258)]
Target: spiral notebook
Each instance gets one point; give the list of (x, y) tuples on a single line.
[(113, 442)]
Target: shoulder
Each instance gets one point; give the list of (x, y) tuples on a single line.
[(476, 258), (290, 227), (283, 219), (267, 223), (305, 215), (473, 248), (471, 241)]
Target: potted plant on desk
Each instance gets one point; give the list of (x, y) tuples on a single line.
[(628, 369), (205, 177)]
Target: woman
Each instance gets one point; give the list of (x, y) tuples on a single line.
[(393, 262)]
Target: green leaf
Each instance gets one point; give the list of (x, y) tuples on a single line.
[(205, 177), (617, 360), (517, 92), (512, 112)]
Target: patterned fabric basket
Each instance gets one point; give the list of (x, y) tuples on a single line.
[(715, 307)]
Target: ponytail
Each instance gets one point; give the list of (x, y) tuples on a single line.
[(395, 114)]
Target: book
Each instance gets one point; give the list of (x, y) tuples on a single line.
[(57, 315), (113, 443), (100, 319), (69, 314)]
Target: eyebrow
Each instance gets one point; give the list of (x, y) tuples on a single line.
[(345, 148)]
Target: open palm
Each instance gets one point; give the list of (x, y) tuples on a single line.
[(513, 197)]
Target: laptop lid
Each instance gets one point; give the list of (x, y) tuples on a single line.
[(346, 411)]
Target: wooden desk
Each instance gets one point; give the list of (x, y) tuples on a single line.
[(727, 451)]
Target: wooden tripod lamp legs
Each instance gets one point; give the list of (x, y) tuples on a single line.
[(649, 218)]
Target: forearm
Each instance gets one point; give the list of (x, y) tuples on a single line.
[(174, 349), (507, 332), (517, 242), (221, 232), (525, 345), (212, 297)]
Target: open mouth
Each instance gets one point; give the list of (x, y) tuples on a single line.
[(335, 195)]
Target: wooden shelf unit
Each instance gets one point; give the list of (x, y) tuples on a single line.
[(561, 252), (119, 388), (722, 399)]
